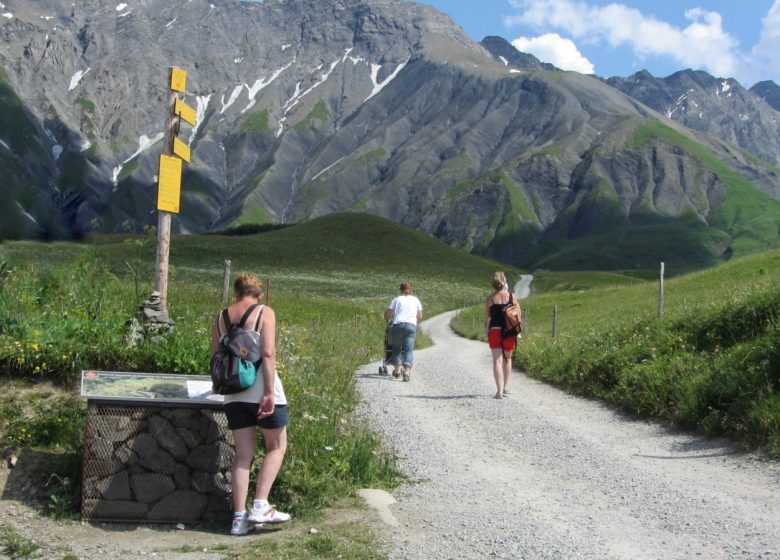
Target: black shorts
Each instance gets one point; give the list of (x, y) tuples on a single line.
[(244, 415)]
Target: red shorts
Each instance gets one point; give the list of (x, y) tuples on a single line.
[(496, 340)]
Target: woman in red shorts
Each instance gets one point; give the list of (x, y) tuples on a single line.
[(500, 347)]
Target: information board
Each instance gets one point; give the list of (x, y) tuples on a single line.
[(156, 387)]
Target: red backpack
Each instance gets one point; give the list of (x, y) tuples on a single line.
[(513, 318)]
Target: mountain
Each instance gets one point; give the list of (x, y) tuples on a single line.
[(310, 107), (769, 92), (717, 106), (507, 54)]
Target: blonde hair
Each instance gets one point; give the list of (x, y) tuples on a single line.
[(499, 280), (247, 284), (406, 288)]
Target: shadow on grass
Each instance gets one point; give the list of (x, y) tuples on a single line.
[(38, 475)]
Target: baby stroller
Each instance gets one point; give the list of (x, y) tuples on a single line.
[(388, 348)]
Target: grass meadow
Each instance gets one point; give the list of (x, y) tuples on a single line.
[(63, 308), (711, 363)]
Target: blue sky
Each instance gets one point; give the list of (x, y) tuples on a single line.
[(727, 38)]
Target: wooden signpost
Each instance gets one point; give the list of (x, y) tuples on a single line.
[(661, 293), (169, 177)]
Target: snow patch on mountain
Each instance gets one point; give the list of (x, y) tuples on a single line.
[(232, 99), (261, 84), (297, 96), (328, 167), (200, 112), (380, 86), (76, 78), (144, 143), (27, 214)]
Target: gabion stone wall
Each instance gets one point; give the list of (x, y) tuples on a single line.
[(156, 464)]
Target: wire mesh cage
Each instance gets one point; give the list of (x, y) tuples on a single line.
[(156, 463)]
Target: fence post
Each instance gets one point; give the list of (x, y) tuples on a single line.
[(661, 293), (524, 311), (555, 321), (225, 282)]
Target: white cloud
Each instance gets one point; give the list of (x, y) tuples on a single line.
[(702, 44), (556, 50), (765, 56)]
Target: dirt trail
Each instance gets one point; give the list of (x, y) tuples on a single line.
[(542, 474)]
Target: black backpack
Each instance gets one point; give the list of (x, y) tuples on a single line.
[(234, 364)]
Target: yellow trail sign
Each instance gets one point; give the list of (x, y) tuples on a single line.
[(178, 79), (181, 149), (169, 184), (187, 113)]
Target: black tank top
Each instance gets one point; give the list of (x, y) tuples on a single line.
[(497, 313)]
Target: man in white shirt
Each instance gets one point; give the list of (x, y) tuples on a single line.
[(406, 311)]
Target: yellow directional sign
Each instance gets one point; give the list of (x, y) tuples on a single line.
[(169, 184), (178, 79), (181, 149), (187, 113)]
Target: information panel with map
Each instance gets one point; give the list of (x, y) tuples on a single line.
[(160, 388)]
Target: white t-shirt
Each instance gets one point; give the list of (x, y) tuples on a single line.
[(405, 309)]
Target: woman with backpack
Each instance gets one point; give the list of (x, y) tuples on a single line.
[(501, 346), (263, 404)]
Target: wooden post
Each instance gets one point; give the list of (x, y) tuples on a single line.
[(164, 218), (555, 321), (226, 282), (661, 293), (268, 291), (525, 320)]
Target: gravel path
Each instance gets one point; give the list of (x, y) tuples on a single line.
[(542, 474)]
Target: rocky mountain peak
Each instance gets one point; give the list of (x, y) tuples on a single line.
[(718, 106), (505, 52), (769, 92)]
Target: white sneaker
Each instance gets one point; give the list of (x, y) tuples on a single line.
[(240, 525), (267, 515)]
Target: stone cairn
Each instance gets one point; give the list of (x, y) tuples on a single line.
[(156, 464), (151, 322)]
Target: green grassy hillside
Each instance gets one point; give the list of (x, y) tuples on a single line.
[(711, 363), (594, 233)]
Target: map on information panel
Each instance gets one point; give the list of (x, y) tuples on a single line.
[(157, 387)]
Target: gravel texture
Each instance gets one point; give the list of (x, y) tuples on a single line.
[(542, 474)]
